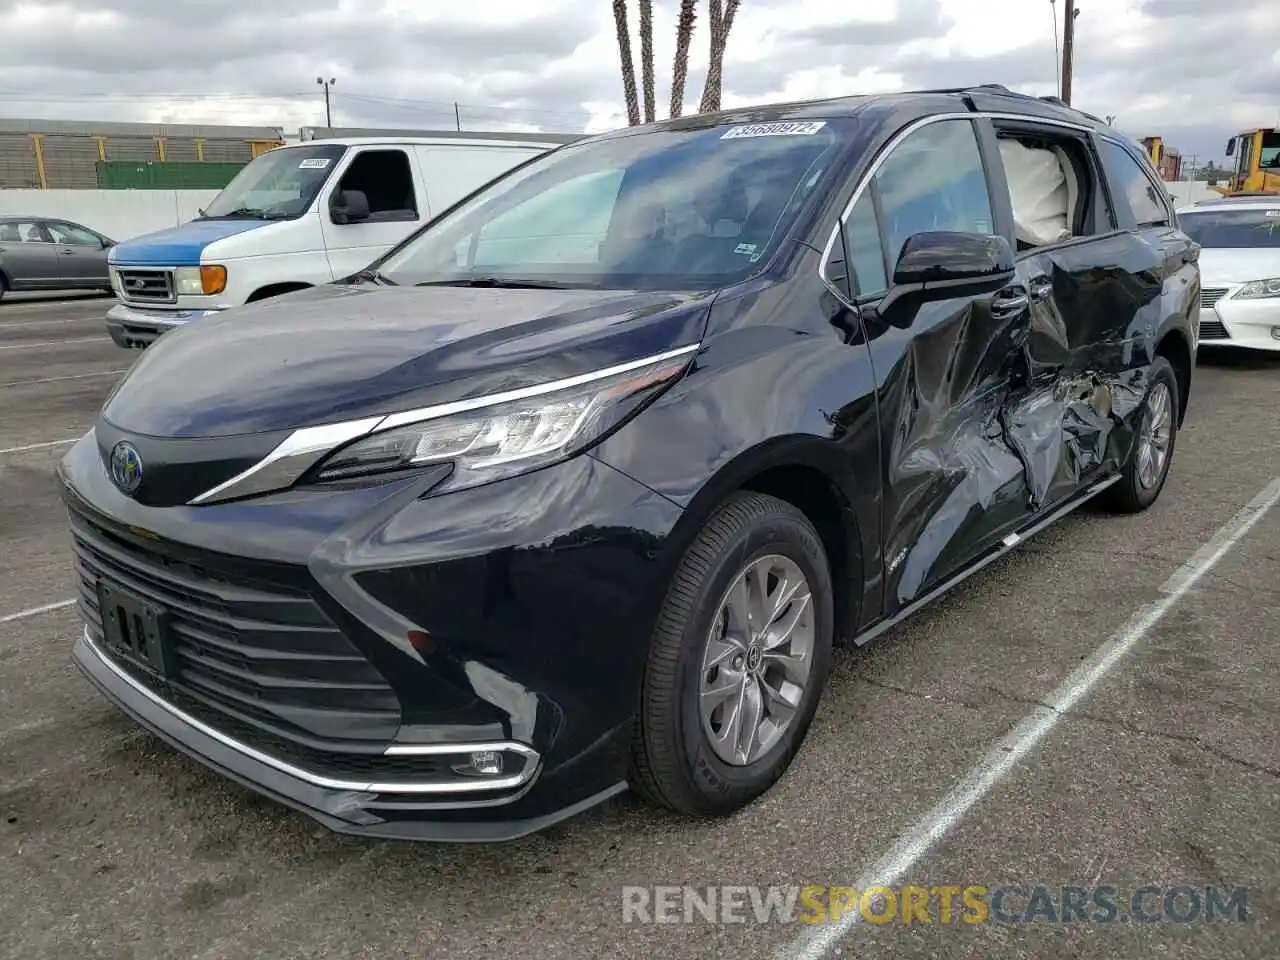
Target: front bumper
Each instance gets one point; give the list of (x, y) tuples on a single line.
[(1247, 324), (537, 622), (138, 327), (343, 806)]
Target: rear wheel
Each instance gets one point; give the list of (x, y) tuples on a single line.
[(1145, 471), (4, 286), (738, 660)]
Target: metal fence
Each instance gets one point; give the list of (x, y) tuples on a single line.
[(54, 155)]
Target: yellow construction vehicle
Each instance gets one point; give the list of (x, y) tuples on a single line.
[(1257, 167), (1166, 160)]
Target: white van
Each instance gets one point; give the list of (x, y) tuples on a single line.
[(298, 216)]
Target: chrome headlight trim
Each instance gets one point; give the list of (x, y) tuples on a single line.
[(304, 447)]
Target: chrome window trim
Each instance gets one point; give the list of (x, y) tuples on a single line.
[(408, 787), (893, 144), (320, 439)]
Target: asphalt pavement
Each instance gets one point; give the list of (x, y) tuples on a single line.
[(1099, 708)]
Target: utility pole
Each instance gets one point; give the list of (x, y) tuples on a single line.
[(328, 114), (1057, 56), (1068, 48), (457, 117)]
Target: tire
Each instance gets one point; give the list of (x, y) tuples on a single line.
[(1131, 494), (674, 762), (4, 286)]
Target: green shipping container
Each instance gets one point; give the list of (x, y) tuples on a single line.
[(131, 175)]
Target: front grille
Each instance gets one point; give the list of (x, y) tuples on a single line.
[(1213, 330), (1211, 295), (147, 286), (253, 654)]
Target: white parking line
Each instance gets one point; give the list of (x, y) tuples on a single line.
[(919, 838), (14, 324), (52, 343), (39, 446), (33, 611), (70, 376)]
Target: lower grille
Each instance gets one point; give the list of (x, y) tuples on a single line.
[(1213, 330), (148, 286), (256, 655), (1211, 295)]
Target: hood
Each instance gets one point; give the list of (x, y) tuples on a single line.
[(179, 246), (1220, 265), (337, 353)]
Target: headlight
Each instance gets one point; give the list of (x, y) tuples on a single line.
[(205, 281), (497, 437), (1257, 289)]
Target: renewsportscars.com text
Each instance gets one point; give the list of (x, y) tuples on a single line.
[(966, 904)]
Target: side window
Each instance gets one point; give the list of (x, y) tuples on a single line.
[(386, 179), (69, 233), (1130, 181), (565, 224), (934, 180), (22, 231), (863, 248)]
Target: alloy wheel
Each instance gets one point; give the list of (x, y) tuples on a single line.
[(1153, 444), (757, 660)]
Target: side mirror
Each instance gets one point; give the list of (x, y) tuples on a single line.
[(107, 243), (1231, 147), (350, 206), (941, 264)]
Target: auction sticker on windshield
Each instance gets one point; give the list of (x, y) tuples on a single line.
[(794, 128), (314, 163)]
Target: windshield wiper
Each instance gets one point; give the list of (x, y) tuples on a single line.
[(505, 283), (244, 212), (369, 275)]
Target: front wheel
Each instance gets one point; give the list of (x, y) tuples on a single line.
[(738, 660), (1144, 473)]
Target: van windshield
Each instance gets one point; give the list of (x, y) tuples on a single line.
[(279, 185), (1234, 229), (692, 208)]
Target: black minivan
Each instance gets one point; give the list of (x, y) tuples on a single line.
[(577, 487)]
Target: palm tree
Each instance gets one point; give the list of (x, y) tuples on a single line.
[(680, 67), (721, 24), (646, 56), (628, 65)]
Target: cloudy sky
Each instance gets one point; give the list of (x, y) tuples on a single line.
[(1194, 71)]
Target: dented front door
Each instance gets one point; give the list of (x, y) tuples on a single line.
[(951, 479)]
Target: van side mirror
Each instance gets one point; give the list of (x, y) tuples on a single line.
[(941, 263), (349, 206)]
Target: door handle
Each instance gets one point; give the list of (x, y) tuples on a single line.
[(67, 253), (1010, 302)]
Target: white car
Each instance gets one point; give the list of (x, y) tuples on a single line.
[(1239, 239)]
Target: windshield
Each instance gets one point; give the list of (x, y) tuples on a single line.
[(1234, 229), (278, 185), (1269, 155), (697, 208)]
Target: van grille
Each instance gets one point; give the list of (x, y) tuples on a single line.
[(147, 286), (255, 652)]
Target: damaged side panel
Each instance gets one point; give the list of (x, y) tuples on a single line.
[(991, 416)]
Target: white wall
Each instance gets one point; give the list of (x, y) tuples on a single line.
[(120, 214), (1186, 192)]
